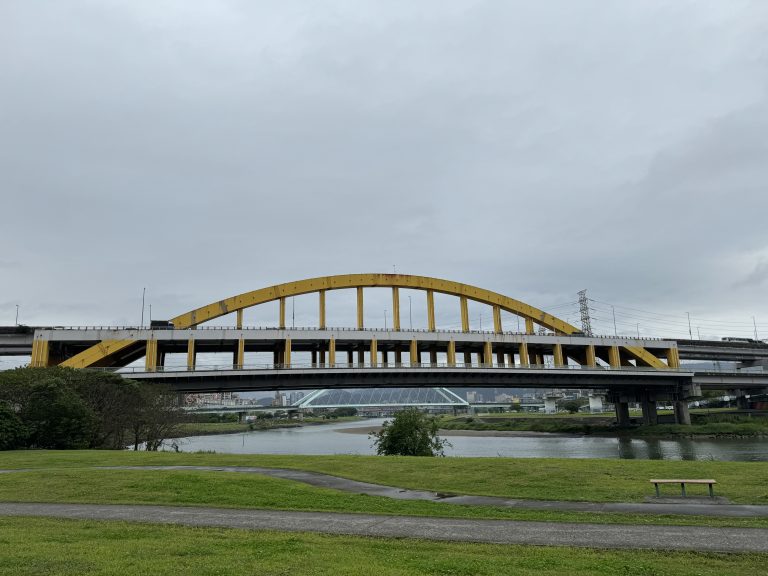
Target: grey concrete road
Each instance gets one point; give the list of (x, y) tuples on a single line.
[(490, 531)]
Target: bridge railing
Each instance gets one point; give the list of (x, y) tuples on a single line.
[(382, 366), (344, 329)]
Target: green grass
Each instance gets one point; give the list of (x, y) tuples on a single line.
[(710, 425), (67, 476), (234, 490), (34, 546), (205, 428), (597, 480)]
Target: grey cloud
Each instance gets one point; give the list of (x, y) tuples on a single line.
[(535, 149)]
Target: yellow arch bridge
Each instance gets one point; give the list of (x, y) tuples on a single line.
[(631, 369)]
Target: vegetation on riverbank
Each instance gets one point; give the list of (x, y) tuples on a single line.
[(234, 427), (715, 425), (64, 408), (33, 546)]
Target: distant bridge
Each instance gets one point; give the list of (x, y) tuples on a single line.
[(631, 369)]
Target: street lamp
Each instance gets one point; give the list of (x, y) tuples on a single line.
[(17, 314)]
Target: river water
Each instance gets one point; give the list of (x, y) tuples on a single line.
[(331, 439)]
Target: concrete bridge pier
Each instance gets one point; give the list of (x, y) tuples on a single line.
[(650, 416), (682, 414), (622, 413), (742, 401)]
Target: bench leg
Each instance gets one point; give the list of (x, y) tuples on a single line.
[(682, 487), (711, 491), (658, 495)]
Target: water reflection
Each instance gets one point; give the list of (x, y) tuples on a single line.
[(330, 439)]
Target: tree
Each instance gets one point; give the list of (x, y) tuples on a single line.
[(572, 406), (13, 433), (410, 433), (68, 408), (58, 418)]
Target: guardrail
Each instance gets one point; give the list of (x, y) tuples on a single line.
[(380, 366), (348, 329)]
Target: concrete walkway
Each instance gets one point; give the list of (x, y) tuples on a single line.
[(488, 531), (687, 507)]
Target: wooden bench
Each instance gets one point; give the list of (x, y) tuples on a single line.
[(682, 483)]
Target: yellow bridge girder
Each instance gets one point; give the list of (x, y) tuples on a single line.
[(235, 304)]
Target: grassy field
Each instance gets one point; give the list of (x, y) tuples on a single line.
[(69, 477), (230, 490), (32, 546), (597, 480)]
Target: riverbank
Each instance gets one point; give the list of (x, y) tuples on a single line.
[(715, 426), (215, 428)]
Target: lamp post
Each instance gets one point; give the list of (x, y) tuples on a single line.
[(17, 314), (143, 293)]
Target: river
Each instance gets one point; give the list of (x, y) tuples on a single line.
[(331, 439)]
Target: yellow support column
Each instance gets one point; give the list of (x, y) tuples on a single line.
[(150, 361), (414, 352), (558, 354), (359, 308), (40, 353), (673, 358), (464, 314), (591, 357), (321, 296), (497, 320), (396, 309), (239, 323), (374, 352), (431, 310), (332, 352), (191, 356), (524, 354), (287, 353), (451, 353), (282, 313), (528, 326), (240, 360), (614, 358), (487, 353)]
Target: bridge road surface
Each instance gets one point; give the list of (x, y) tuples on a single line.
[(696, 538)]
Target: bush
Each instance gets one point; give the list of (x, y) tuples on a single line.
[(410, 433), (57, 417), (13, 433), (67, 408)]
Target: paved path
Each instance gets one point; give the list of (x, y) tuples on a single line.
[(693, 506), (490, 531)]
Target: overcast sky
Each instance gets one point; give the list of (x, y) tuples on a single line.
[(202, 149)]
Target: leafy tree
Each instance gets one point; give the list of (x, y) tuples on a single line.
[(572, 406), (67, 408), (58, 418), (410, 433), (13, 433)]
